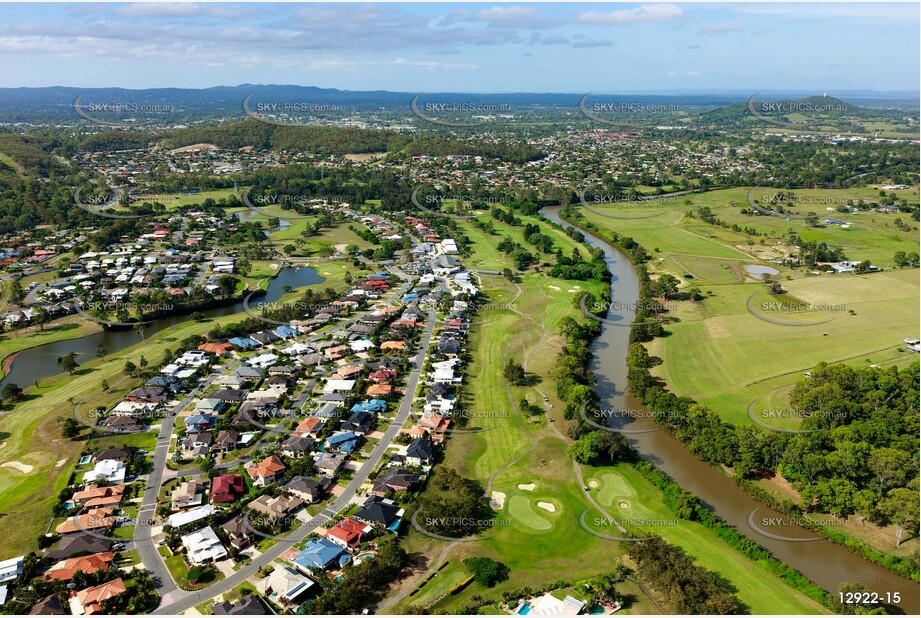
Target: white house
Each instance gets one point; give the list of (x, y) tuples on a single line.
[(203, 546), (108, 470)]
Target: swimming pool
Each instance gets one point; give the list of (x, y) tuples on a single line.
[(524, 610)]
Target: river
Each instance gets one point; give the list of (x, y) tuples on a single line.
[(825, 563), (40, 362)]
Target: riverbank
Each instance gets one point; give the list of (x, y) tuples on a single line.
[(827, 564), (13, 343)]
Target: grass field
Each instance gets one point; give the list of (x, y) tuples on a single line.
[(624, 493), (721, 354), (177, 200), (539, 546)]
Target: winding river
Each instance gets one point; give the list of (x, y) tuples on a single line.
[(825, 563), (40, 362)]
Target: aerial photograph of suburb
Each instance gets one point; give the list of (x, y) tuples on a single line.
[(501, 308)]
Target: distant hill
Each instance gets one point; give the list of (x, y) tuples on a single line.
[(191, 105), (813, 110)]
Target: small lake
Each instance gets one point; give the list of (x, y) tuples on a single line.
[(41, 362), (757, 271)]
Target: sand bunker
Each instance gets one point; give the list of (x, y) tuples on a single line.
[(572, 290), (593, 483), (497, 501), (623, 505), (60, 462), (25, 468), (554, 287), (527, 486), (547, 506)]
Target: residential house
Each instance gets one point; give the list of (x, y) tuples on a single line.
[(65, 570), (183, 518), (393, 480), (419, 453), (349, 533), (94, 520), (343, 441), (89, 601), (296, 447), (203, 546), (188, 494), (266, 471), (286, 586), (83, 543), (108, 470), (380, 512), (93, 496), (241, 535), (307, 489), (227, 488), (320, 554), (276, 507)]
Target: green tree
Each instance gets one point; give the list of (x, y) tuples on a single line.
[(486, 571), (40, 316), (70, 428), (900, 506), (68, 362)]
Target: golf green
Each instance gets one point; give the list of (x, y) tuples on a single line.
[(520, 508)]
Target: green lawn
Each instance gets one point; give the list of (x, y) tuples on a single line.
[(725, 357), (624, 493)]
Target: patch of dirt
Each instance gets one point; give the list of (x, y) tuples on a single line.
[(60, 462)]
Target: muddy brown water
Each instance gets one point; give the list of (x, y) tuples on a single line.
[(825, 563)]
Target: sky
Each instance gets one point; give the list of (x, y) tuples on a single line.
[(461, 47)]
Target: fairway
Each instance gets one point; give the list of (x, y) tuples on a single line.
[(762, 592)]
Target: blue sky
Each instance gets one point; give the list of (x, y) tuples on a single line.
[(461, 47)]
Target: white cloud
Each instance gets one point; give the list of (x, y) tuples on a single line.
[(640, 14)]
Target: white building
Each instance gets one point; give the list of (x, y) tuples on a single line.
[(108, 470), (203, 546)]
